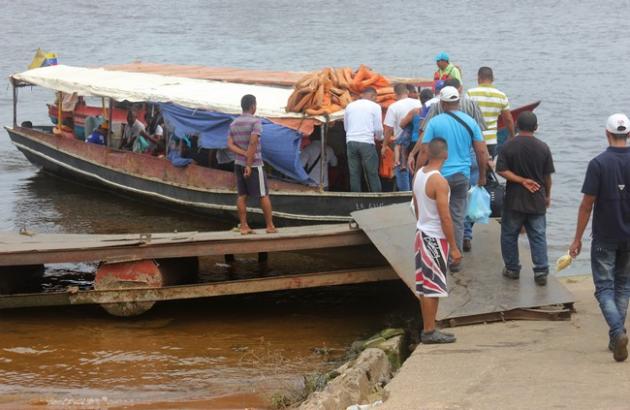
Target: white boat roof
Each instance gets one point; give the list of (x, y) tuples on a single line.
[(219, 96)]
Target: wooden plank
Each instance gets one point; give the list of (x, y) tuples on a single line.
[(238, 287), (42, 249)]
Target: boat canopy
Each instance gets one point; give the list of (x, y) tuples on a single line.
[(211, 95)]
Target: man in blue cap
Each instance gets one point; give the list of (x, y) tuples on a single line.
[(445, 69)]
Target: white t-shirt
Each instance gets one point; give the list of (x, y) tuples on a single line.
[(132, 131), (363, 121), (397, 111), (159, 131), (310, 154)]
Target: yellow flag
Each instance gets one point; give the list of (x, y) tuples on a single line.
[(43, 59)]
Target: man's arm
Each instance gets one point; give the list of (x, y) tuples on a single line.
[(441, 201), (235, 148), (389, 132), (506, 115), (584, 214), (415, 207), (481, 152), (406, 120), (548, 190), (417, 147), (377, 122), (529, 184), (251, 149)]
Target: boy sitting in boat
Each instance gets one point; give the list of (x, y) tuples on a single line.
[(244, 141)]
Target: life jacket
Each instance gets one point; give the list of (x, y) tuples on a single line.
[(437, 77)]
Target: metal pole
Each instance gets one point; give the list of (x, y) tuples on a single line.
[(322, 161), (109, 119), (14, 103)]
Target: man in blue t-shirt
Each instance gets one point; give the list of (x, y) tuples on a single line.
[(607, 188), (461, 132)]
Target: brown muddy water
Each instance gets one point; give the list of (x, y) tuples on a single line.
[(231, 352)]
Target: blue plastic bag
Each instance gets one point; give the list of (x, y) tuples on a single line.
[(478, 210)]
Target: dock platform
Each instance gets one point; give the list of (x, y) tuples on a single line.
[(136, 269)]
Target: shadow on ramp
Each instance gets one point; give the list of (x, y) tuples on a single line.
[(478, 293)]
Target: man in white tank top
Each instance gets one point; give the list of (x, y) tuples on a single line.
[(435, 240)]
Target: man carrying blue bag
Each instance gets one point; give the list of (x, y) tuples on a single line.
[(526, 163)]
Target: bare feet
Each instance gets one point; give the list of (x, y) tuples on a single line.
[(271, 229), (246, 230)]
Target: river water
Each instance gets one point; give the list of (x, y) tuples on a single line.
[(571, 55)]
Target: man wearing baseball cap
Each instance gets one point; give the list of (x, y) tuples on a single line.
[(607, 189), (445, 70), (461, 133)]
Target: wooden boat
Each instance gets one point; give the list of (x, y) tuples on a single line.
[(195, 188)]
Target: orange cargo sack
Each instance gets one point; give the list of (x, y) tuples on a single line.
[(386, 168)]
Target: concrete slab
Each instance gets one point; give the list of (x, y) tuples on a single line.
[(479, 288), (518, 365)]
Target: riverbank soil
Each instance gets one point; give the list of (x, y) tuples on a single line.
[(518, 365)]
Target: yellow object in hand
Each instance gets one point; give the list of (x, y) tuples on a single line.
[(563, 262)]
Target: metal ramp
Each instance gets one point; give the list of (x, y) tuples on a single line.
[(478, 293)]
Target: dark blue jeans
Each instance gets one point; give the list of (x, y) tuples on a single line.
[(535, 226), (610, 263)]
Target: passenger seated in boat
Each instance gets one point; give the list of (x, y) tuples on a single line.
[(99, 134), (155, 132), (132, 130), (311, 157)]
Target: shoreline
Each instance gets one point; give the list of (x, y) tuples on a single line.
[(518, 365)]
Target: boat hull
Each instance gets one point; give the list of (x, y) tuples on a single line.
[(194, 188)]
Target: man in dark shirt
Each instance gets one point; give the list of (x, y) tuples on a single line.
[(526, 163), (607, 186)]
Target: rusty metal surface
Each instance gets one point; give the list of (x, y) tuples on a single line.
[(150, 167), (515, 314), (479, 287), (238, 287), (17, 249)]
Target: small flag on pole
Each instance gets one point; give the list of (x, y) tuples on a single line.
[(43, 59)]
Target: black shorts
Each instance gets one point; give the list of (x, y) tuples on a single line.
[(255, 185)]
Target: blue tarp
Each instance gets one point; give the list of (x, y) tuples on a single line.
[(280, 145)]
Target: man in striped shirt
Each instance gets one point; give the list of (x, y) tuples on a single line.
[(492, 103), (244, 141)]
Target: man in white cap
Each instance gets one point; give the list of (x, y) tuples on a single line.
[(461, 132), (607, 188)]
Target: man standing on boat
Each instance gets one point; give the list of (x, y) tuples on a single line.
[(493, 103), (462, 134), (394, 132), (435, 239), (445, 70), (363, 122), (244, 141), (607, 189)]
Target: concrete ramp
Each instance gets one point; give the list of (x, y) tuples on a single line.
[(479, 292)]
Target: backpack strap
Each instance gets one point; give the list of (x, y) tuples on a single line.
[(462, 122), (310, 167)]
